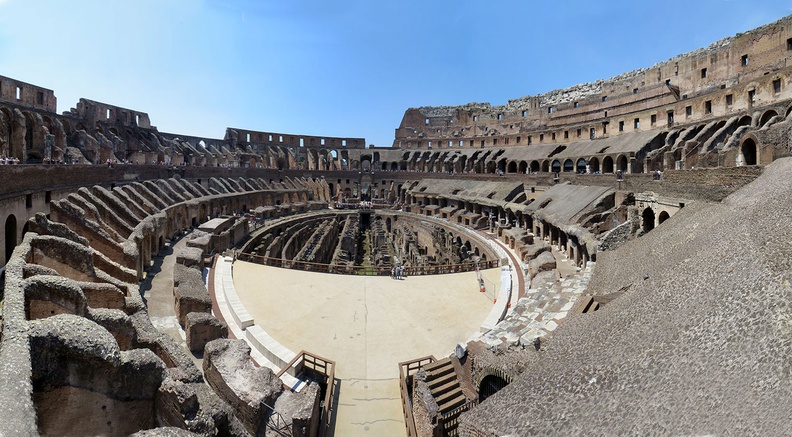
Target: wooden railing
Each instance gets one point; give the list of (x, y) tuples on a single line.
[(363, 270), (323, 369), (450, 419), (406, 371)]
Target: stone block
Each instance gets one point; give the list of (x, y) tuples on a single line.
[(190, 257), (202, 328), (250, 391)]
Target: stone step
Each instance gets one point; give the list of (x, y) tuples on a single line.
[(441, 380), (445, 388), (438, 365), (451, 400)]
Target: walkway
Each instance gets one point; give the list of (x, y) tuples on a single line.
[(157, 291)]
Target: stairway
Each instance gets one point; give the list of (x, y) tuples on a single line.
[(444, 386)]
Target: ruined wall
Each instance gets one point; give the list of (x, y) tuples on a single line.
[(732, 76)]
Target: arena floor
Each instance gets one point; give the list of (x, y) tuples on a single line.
[(367, 325)]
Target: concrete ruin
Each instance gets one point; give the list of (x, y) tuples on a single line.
[(644, 213)]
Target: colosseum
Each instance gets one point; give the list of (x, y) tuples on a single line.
[(611, 258)]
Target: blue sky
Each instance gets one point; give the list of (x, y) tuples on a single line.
[(347, 68)]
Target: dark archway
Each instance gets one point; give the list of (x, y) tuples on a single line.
[(10, 236), (766, 117), (748, 150), (621, 163), (580, 167), (490, 385), (569, 166), (648, 219), (534, 166), (511, 167), (556, 167), (594, 165), (662, 217), (523, 167), (545, 166), (607, 164)]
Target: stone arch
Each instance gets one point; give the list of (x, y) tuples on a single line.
[(569, 165), (746, 120), (10, 236), (662, 217), (480, 380), (607, 164), (767, 116), (545, 166), (648, 219), (622, 163), (580, 165), (594, 165), (535, 167), (555, 167), (748, 150), (523, 167), (511, 167)]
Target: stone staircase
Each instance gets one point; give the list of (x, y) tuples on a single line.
[(444, 386)]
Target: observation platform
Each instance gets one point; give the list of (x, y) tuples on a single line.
[(367, 325)]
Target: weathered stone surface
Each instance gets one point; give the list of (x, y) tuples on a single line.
[(167, 431), (251, 391), (190, 292), (542, 263), (202, 328), (424, 408), (177, 405), (190, 257), (300, 410)]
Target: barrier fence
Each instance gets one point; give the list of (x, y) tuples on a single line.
[(366, 271), (322, 370)]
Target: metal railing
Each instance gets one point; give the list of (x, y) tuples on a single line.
[(364, 270), (322, 371), (406, 371)]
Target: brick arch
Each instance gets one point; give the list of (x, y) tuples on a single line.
[(489, 371)]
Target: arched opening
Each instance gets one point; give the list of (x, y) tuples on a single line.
[(523, 167), (744, 121), (662, 217), (621, 163), (594, 165), (569, 166), (748, 150), (545, 166), (556, 167), (648, 219), (766, 117), (512, 167), (580, 167), (490, 385), (10, 236), (607, 164)]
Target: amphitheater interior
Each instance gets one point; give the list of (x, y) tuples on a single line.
[(640, 225)]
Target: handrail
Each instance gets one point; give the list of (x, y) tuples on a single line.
[(319, 365), (450, 419), (406, 370), (363, 270)]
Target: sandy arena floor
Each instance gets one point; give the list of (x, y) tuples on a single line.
[(367, 325)]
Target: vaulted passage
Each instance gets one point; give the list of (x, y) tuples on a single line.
[(490, 385), (749, 152), (648, 219)]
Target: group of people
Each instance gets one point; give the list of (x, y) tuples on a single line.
[(397, 272), (9, 161)]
